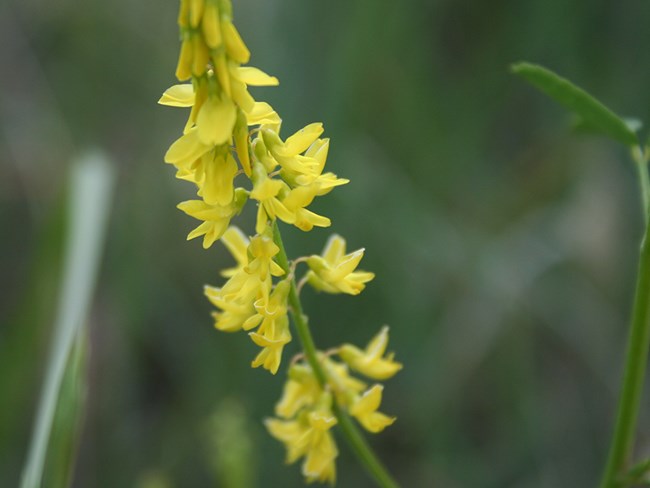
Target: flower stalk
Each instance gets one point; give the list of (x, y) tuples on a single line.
[(636, 356)]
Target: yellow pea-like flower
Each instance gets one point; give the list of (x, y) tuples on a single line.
[(217, 186), (216, 218), (365, 410), (301, 390), (334, 271), (186, 149), (371, 361)]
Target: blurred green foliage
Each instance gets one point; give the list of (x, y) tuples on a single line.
[(504, 246)]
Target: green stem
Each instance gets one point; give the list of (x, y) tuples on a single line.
[(350, 431), (636, 359), (641, 159)]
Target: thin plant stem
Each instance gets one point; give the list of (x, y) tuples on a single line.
[(636, 357), (350, 431), (641, 159)]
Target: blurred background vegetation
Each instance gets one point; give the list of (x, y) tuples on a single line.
[(504, 246)]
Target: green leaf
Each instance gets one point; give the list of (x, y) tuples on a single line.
[(592, 114)]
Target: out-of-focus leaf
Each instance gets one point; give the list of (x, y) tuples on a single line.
[(68, 419), (91, 191), (581, 126), (594, 116)]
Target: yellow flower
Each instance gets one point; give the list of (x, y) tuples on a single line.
[(216, 186), (370, 362), (186, 150), (334, 271), (365, 411), (234, 312), (266, 191), (345, 386), (288, 153), (319, 463), (312, 173), (273, 332), (215, 217), (296, 201), (237, 243), (271, 354), (216, 120), (261, 251), (263, 114), (300, 390), (309, 436)]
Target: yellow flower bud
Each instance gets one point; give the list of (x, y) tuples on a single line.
[(241, 142), (184, 66), (211, 25), (235, 46), (196, 11), (200, 55)]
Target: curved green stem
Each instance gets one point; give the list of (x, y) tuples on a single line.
[(636, 359), (350, 431)]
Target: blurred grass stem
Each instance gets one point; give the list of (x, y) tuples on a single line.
[(636, 357), (350, 431), (90, 195)]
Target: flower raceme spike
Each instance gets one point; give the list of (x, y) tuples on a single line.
[(231, 150)]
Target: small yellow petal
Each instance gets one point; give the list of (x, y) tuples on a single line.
[(255, 77), (235, 46), (301, 140), (178, 96)]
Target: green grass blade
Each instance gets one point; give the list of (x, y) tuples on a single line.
[(593, 114), (68, 419), (91, 187)]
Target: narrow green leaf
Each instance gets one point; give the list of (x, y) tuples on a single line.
[(91, 191), (593, 114)]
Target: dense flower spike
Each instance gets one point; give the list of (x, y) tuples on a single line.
[(231, 150)]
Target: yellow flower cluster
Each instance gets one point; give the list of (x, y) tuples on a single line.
[(216, 145), (305, 409), (232, 151)]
